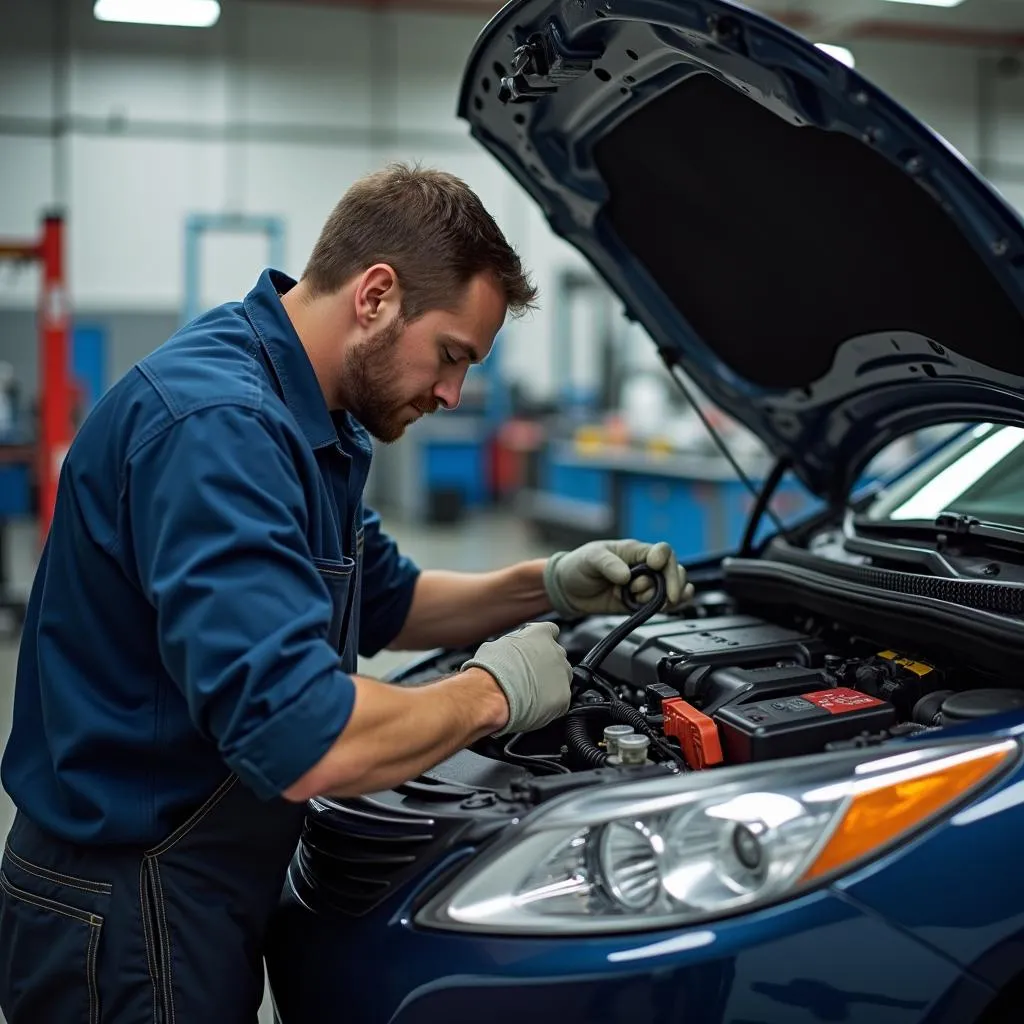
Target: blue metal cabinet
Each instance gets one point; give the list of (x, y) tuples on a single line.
[(15, 490), (461, 465), (89, 364), (654, 508), (569, 479)]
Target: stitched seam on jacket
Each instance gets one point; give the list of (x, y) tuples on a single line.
[(156, 430)]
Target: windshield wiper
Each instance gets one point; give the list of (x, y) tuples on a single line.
[(961, 524), (946, 525)]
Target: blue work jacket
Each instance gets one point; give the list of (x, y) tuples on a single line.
[(209, 575)]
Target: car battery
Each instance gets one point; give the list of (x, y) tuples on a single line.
[(789, 726)]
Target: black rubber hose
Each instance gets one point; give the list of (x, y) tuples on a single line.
[(547, 764), (577, 737), (588, 753), (626, 714), (640, 615), (586, 677)]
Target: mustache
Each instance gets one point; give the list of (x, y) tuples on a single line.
[(429, 407)]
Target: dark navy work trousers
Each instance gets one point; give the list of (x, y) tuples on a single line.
[(171, 935)]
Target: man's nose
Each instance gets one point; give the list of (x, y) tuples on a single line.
[(449, 392)]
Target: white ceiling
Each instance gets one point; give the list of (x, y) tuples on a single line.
[(974, 23), (972, 14)]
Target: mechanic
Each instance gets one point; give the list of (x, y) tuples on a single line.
[(187, 675)]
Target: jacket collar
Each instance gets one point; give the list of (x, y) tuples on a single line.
[(300, 389)]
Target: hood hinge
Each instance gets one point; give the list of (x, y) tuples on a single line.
[(541, 65)]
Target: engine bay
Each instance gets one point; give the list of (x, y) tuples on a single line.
[(731, 679), (723, 684)]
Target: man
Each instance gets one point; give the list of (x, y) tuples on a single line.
[(187, 676)]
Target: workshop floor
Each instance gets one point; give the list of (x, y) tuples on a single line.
[(483, 542)]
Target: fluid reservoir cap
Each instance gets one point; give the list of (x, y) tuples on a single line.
[(633, 749), (612, 735), (971, 704)]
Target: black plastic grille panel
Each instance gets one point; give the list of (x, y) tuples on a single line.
[(1002, 598), (353, 853)]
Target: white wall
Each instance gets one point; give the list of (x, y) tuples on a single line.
[(961, 95), (276, 110)]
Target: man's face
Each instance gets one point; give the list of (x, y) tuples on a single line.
[(406, 370)]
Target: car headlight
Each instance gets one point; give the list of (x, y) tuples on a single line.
[(669, 852)]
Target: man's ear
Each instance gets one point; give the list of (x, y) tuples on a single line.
[(376, 292)]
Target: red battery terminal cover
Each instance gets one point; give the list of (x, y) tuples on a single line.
[(697, 734), (841, 699)]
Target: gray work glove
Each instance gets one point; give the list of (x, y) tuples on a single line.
[(589, 580), (533, 673)]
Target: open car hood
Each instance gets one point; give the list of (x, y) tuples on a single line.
[(828, 270)]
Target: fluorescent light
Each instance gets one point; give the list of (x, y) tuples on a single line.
[(186, 13), (839, 53), (930, 3)]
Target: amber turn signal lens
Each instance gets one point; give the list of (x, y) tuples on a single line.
[(881, 810)]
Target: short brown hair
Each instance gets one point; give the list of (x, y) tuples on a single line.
[(430, 227)]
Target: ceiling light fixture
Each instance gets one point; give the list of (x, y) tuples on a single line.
[(839, 53), (930, 3), (183, 13)]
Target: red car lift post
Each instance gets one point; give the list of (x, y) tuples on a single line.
[(55, 428)]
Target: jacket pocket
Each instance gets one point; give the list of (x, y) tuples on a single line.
[(337, 577), (49, 939)]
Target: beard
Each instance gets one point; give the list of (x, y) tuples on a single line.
[(372, 391)]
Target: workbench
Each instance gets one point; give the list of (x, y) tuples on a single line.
[(694, 501)]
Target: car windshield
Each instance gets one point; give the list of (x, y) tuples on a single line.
[(979, 474)]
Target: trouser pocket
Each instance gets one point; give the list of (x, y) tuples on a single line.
[(51, 927)]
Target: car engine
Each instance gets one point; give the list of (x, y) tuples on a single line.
[(720, 684)]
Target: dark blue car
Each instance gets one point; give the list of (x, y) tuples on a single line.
[(802, 798)]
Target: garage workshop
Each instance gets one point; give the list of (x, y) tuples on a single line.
[(512, 512)]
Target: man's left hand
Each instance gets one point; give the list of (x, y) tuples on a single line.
[(589, 580)]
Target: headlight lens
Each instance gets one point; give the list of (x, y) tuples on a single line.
[(629, 863), (673, 851)]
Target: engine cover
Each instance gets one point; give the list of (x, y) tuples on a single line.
[(684, 654)]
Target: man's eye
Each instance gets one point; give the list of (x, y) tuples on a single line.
[(448, 357)]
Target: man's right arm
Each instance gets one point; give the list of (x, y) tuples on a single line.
[(394, 733), (515, 683)]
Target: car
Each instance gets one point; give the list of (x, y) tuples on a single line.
[(799, 799)]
